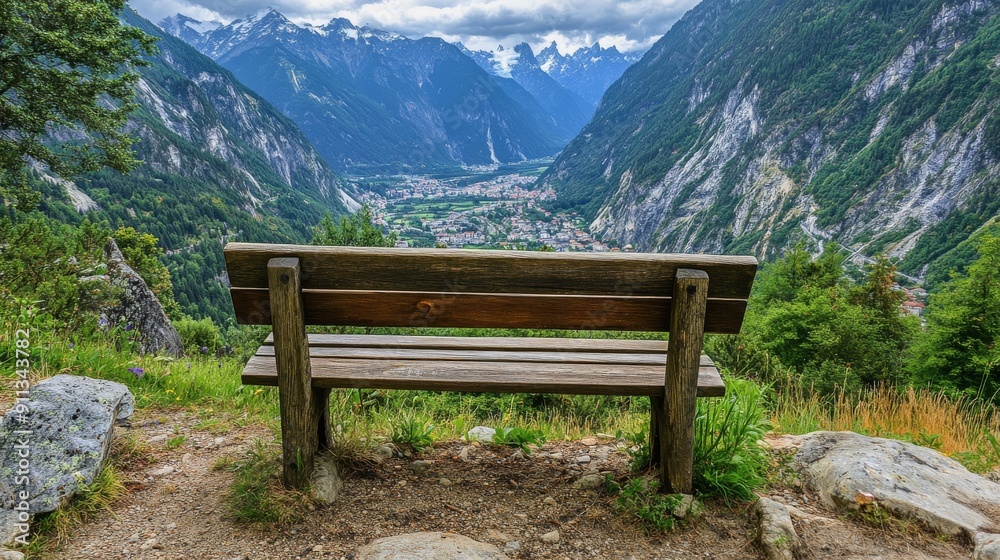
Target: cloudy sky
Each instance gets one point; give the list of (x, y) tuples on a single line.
[(480, 24)]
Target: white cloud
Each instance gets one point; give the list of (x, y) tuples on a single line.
[(629, 24)]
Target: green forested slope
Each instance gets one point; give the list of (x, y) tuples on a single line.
[(220, 164), (871, 122)]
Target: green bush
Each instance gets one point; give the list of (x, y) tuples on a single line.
[(198, 336)]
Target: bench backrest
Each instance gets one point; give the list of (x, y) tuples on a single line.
[(390, 287)]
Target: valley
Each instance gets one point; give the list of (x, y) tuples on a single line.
[(486, 207)]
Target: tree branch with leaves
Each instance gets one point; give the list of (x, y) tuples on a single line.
[(67, 81)]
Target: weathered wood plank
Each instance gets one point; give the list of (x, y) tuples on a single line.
[(527, 311), (676, 424), (490, 377), (462, 355), (484, 343), (445, 271), (300, 413)]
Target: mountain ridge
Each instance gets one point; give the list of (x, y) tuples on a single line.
[(869, 123)]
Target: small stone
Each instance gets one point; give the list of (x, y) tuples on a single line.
[(134, 537), (420, 466), (408, 454), (556, 456), (589, 482), (481, 433), (549, 501), (187, 458), (401, 483), (551, 537), (384, 452), (512, 546), (583, 459), (170, 526), (150, 543), (11, 555), (162, 471), (159, 438), (518, 455), (495, 535), (589, 441), (318, 548), (464, 454), (445, 482), (687, 506), (777, 534)]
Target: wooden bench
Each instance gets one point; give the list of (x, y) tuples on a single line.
[(290, 286)]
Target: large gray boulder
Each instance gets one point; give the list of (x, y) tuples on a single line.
[(138, 307), (851, 471), (54, 444), (429, 546)]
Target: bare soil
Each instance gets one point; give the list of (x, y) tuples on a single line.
[(487, 493)]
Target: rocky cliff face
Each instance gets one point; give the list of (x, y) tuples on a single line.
[(752, 124), (204, 107)]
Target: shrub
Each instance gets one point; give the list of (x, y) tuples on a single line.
[(198, 336)]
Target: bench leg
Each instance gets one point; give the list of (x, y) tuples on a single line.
[(687, 332), (324, 436), (656, 416), (302, 407)]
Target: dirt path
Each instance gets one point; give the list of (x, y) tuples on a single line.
[(489, 495)]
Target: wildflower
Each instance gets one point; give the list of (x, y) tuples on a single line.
[(128, 326), (138, 371), (189, 365), (258, 391), (102, 321), (204, 349), (71, 345)]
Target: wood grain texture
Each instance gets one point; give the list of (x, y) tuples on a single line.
[(464, 355), (484, 343), (528, 311), (445, 271), (676, 424), (300, 413), (490, 377)]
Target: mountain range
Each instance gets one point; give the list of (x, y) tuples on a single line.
[(371, 100), (219, 163), (752, 124)]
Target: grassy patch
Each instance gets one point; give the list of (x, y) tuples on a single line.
[(55, 529), (657, 512), (961, 428), (256, 495)]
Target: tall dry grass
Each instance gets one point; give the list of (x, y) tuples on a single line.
[(963, 428)]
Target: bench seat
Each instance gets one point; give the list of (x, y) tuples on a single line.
[(495, 365)]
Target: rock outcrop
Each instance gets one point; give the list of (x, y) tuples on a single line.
[(138, 307), (851, 471), (53, 444), (429, 546)]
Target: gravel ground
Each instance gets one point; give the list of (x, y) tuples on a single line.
[(176, 508)]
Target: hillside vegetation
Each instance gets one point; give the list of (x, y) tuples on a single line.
[(752, 124)]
